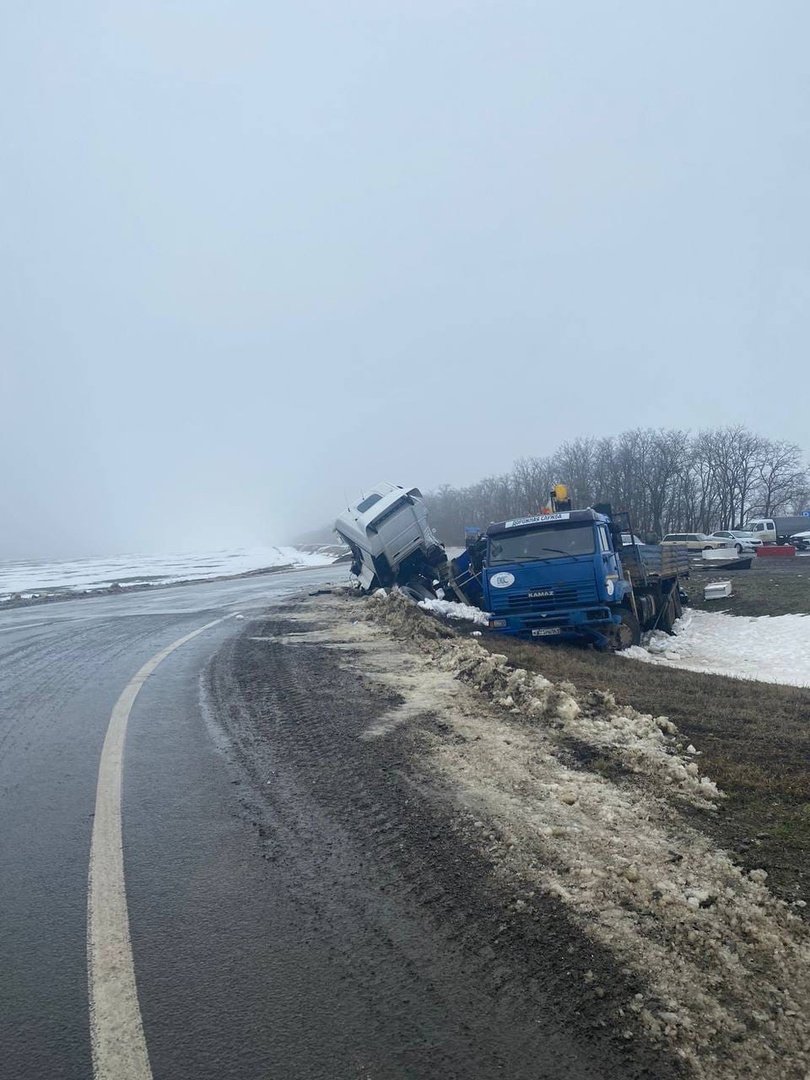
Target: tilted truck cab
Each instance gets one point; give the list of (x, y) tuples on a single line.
[(390, 539)]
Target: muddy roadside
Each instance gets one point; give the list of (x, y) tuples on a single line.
[(590, 896), (332, 720)]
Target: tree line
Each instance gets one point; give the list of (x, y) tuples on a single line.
[(669, 481)]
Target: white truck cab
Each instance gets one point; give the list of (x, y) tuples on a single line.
[(764, 529), (389, 537)]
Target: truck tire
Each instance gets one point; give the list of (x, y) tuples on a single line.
[(672, 611), (627, 633), (676, 600)]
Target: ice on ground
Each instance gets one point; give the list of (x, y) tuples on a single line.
[(769, 648), (86, 575), (452, 610)]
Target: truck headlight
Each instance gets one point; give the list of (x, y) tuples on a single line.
[(496, 624)]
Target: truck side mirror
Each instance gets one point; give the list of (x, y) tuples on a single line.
[(471, 537)]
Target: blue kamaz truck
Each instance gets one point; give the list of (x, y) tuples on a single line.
[(577, 574), (568, 574)]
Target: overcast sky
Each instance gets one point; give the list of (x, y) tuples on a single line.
[(258, 255)]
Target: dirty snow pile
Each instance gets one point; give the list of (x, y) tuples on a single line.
[(88, 575), (770, 648), (640, 742), (449, 609), (725, 965)]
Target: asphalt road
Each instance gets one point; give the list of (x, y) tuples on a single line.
[(62, 668), (295, 908)]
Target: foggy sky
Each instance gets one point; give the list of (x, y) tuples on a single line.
[(257, 256)]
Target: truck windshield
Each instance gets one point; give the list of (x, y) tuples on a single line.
[(547, 542)]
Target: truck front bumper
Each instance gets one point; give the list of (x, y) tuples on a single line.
[(591, 622)]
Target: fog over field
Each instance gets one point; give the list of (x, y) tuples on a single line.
[(258, 256)]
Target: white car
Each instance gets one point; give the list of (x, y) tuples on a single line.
[(743, 541), (800, 540), (694, 541)]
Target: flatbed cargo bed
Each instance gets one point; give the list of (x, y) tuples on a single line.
[(652, 562)]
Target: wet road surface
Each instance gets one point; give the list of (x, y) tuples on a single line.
[(62, 668)]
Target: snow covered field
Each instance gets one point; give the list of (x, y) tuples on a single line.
[(81, 575), (767, 648)]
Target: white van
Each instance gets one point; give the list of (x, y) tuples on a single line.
[(763, 529)]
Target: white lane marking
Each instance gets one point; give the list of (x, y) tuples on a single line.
[(116, 1029)]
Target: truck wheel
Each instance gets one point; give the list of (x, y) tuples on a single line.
[(677, 602), (627, 633), (672, 611)]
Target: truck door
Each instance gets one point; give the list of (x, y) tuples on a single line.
[(610, 561)]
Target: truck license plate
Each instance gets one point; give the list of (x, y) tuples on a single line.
[(541, 594), (546, 631)]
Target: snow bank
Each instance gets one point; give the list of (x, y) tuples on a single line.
[(770, 648), (82, 575), (451, 610)]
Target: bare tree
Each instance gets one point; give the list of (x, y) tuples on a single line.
[(670, 481), (782, 479)]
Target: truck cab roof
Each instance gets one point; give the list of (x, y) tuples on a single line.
[(573, 516), (374, 505)]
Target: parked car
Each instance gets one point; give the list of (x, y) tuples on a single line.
[(694, 541), (743, 541), (628, 539), (800, 540)]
